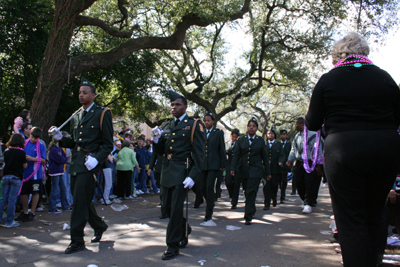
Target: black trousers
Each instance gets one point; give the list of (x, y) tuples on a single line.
[(270, 190), (250, 186), (233, 185), (124, 179), (83, 211), (157, 177), (307, 183), (282, 182), (208, 188), (361, 167)]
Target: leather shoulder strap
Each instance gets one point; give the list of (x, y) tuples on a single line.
[(102, 117), (194, 128)]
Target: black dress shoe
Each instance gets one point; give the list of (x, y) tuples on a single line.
[(282, 202), (98, 235), (74, 247), (196, 206), (183, 243), (266, 208), (247, 222), (274, 205), (169, 255), (163, 216), (292, 194), (233, 207)]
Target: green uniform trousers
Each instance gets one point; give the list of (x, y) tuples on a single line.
[(250, 185), (83, 211), (172, 201), (270, 189)]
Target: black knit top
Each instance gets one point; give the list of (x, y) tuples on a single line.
[(350, 98)]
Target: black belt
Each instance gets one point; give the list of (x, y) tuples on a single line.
[(84, 151), (175, 158)]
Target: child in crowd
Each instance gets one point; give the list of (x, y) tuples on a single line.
[(23, 117), (33, 174), (57, 159), (15, 162)]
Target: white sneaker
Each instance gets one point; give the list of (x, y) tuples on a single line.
[(134, 196), (117, 200), (13, 224), (58, 205), (126, 198), (208, 223), (307, 209), (39, 209), (139, 192), (112, 196)]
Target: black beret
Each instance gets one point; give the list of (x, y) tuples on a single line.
[(253, 120), (85, 82), (209, 113), (236, 131), (174, 95)]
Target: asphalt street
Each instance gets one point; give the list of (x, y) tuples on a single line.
[(281, 236)]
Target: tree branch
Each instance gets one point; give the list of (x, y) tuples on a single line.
[(95, 61), (89, 21)]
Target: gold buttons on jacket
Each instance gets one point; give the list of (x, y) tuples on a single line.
[(80, 139), (92, 126), (80, 132), (165, 134), (183, 134), (170, 147), (81, 126), (173, 133), (172, 141)]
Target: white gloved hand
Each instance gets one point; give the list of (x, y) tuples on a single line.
[(91, 163), (188, 182), (55, 133), (157, 132)]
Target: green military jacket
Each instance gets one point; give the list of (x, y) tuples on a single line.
[(156, 162), (283, 158), (175, 144), (273, 157), (250, 161), (86, 134), (215, 155), (229, 156)]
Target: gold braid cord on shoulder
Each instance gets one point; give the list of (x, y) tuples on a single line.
[(193, 129), (102, 117)]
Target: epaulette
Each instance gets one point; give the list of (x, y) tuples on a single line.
[(100, 107)]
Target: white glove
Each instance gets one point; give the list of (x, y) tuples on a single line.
[(91, 163), (55, 133), (188, 182), (157, 132)]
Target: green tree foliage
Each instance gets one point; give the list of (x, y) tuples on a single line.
[(24, 28)]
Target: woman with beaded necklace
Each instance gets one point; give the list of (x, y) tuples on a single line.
[(359, 105)]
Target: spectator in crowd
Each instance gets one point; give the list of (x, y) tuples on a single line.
[(155, 164), (250, 162), (33, 174), (26, 130), (15, 162), (359, 105), (67, 176), (307, 182), (107, 174), (125, 161), (150, 172), (143, 160), (286, 147), (24, 117), (393, 204), (57, 160)]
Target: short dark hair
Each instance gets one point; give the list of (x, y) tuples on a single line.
[(272, 132), (140, 138), (23, 114), (17, 140), (300, 120), (125, 143), (25, 125), (184, 101), (36, 132)]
